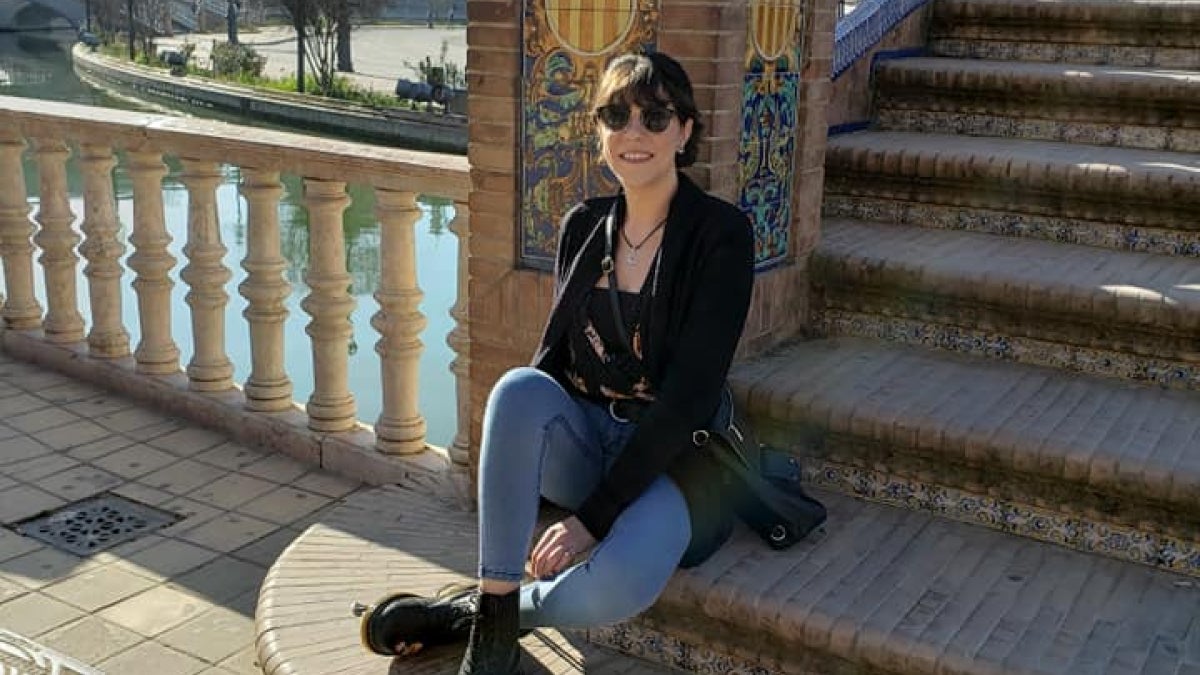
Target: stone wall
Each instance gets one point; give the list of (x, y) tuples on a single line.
[(509, 295), (850, 99)]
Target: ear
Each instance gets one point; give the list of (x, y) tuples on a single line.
[(686, 132)]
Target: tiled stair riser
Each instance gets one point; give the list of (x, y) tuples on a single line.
[(1082, 532), (1034, 506), (1097, 55), (647, 638), (1036, 125), (995, 220), (921, 332), (1056, 198)]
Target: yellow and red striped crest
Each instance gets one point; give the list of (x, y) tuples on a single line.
[(590, 27), (773, 26)]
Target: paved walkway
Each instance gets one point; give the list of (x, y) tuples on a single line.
[(381, 53), (179, 601)]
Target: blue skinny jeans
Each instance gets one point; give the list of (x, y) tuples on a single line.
[(538, 439)]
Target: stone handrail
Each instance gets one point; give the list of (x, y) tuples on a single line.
[(326, 167)]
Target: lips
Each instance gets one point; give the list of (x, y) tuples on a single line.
[(636, 156)]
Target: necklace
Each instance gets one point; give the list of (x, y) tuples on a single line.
[(631, 256)]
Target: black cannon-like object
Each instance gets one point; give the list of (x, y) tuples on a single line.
[(454, 100)]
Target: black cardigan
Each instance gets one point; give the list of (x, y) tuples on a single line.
[(695, 321)]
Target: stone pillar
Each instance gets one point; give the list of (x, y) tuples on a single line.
[(21, 311), (58, 239), (459, 339), (103, 250), (401, 428), (268, 388), (206, 276), (331, 406), (157, 353)]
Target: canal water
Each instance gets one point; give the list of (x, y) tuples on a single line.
[(38, 65)]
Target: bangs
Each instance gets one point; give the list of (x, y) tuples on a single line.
[(633, 81)]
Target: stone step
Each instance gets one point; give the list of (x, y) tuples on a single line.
[(1160, 33), (1148, 108), (1141, 200), (1092, 463), (879, 590), (380, 542), (1102, 312)]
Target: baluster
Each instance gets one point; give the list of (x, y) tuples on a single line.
[(156, 353), (459, 340), (401, 428), (206, 276), (58, 239), (331, 406), (22, 311), (103, 250), (268, 388)]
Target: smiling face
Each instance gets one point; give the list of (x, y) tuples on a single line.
[(640, 156), (646, 119)]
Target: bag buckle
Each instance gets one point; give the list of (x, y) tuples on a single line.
[(612, 412), (700, 437)]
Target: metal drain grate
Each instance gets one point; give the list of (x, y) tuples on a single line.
[(94, 524)]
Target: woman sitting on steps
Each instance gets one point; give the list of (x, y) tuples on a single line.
[(652, 289)]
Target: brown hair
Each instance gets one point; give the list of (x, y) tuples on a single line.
[(653, 79)]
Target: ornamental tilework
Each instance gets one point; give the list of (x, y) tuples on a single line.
[(767, 148), (916, 332), (1068, 230), (859, 31), (565, 51), (1163, 551), (637, 639), (765, 159)]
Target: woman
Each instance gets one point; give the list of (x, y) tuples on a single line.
[(601, 424)]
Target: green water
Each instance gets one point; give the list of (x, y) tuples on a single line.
[(38, 66)]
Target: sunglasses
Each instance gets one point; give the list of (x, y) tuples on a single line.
[(616, 116)]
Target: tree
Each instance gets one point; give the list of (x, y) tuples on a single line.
[(326, 28)]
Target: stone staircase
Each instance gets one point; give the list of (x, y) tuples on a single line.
[(1001, 406)]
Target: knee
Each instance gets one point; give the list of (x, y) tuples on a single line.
[(522, 389)]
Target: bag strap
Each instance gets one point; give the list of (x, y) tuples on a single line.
[(610, 272)]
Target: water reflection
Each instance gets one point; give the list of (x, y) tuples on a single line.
[(437, 256)]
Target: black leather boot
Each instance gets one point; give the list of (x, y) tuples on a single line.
[(493, 648), (404, 623)]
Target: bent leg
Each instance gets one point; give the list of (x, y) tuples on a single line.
[(625, 573), (528, 416)]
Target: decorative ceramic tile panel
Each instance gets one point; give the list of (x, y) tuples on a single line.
[(1164, 551), (566, 47), (767, 149), (859, 31)]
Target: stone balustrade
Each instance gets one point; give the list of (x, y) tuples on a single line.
[(100, 138)]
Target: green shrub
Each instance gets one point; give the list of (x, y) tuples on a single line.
[(237, 61)]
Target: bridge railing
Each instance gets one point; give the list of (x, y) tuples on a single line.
[(397, 177)]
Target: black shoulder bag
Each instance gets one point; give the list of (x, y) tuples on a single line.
[(766, 492)]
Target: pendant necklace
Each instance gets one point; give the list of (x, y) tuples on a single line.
[(631, 255)]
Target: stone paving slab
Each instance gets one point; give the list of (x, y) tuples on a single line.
[(879, 590), (179, 601)]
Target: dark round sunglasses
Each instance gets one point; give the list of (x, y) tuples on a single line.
[(616, 116)]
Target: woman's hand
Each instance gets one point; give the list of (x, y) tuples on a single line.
[(559, 545)]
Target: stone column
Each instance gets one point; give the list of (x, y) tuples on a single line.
[(103, 250), (268, 389), (22, 311), (206, 276), (157, 353), (401, 428), (331, 406), (460, 339), (58, 239)]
